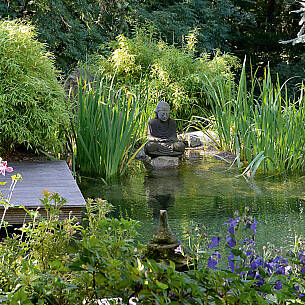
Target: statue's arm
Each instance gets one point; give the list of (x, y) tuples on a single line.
[(156, 139), (173, 131), (152, 138)]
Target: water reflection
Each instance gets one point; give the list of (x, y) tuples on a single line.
[(205, 191), (160, 188)]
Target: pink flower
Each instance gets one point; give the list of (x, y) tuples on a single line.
[(4, 168)]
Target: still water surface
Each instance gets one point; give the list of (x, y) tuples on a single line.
[(206, 191)]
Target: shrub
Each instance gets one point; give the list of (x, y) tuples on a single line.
[(71, 29), (32, 100), (173, 74)]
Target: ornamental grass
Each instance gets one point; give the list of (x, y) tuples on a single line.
[(32, 100), (107, 126), (265, 130)]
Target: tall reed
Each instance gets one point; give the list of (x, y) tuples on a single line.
[(266, 130), (106, 128)]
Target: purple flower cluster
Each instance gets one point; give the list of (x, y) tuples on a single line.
[(213, 260), (248, 265)]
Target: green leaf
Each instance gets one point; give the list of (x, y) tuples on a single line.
[(161, 285)]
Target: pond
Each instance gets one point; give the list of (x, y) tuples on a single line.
[(207, 191)]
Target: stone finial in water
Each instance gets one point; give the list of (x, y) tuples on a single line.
[(164, 245), (164, 242), (164, 235)]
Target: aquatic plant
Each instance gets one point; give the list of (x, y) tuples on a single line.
[(265, 130), (106, 128)]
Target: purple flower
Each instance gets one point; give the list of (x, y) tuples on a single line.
[(280, 270), (231, 262), (214, 243), (232, 223), (218, 256), (231, 265), (231, 230), (260, 282), (212, 262), (248, 252), (231, 256), (278, 285), (269, 267), (254, 265), (178, 250), (242, 275), (253, 225), (249, 241), (231, 242)]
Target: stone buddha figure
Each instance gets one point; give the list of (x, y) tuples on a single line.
[(162, 136)]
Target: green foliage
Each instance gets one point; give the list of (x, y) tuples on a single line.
[(32, 262), (174, 75), (61, 262), (267, 131), (107, 126), (70, 29), (32, 100), (218, 22)]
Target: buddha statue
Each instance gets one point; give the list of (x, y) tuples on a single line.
[(162, 136)]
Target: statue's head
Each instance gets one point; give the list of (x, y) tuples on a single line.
[(162, 111)]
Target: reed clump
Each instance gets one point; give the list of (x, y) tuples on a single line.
[(106, 128), (265, 130)]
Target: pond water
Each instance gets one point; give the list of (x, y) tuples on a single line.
[(206, 191)]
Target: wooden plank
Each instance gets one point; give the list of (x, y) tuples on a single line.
[(16, 216), (54, 176)]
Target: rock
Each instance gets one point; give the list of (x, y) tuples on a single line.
[(193, 140), (158, 162), (141, 156), (71, 83), (164, 235), (198, 138), (194, 153), (225, 156), (165, 162)]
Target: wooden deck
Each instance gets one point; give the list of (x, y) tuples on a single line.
[(54, 176)]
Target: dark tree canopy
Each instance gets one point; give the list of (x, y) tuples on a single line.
[(74, 28)]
